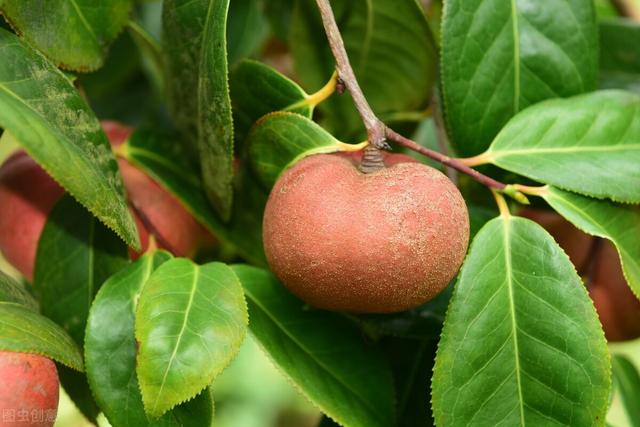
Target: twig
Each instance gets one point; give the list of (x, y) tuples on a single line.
[(627, 8), (377, 131)]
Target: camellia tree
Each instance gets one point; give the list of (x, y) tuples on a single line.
[(426, 213)]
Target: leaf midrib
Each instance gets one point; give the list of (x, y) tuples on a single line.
[(516, 56), (497, 153), (365, 402)]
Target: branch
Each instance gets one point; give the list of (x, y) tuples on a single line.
[(377, 131)]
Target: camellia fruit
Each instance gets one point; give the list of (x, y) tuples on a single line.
[(378, 242), (28, 194), (29, 389)]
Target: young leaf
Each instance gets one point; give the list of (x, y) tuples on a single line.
[(278, 140), (196, 46), (12, 291), (499, 56), (168, 163), (627, 380), (75, 255), (603, 218), (189, 323), (42, 109), (23, 330), (391, 50), (321, 352), (521, 343), (110, 349), (619, 54), (588, 144), (74, 35), (257, 89)]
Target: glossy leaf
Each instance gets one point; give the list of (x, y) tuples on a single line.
[(627, 380), (12, 291), (42, 109), (589, 144), (257, 89), (498, 57), (23, 330), (196, 47), (390, 47), (603, 218), (73, 34), (168, 163), (522, 344), (110, 351), (75, 255), (278, 140), (619, 54), (321, 352), (190, 323)]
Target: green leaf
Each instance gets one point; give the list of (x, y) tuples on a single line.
[(257, 89), (522, 344), (627, 381), (279, 140), (12, 291), (168, 164), (42, 109), (619, 54), (23, 330), (75, 255), (603, 218), (110, 351), (77, 388), (190, 323), (499, 57), (589, 144), (323, 353), (195, 43), (246, 29), (390, 47), (73, 34)]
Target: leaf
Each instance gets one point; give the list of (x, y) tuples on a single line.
[(279, 140), (522, 344), (321, 352), (42, 109), (168, 163), (77, 388), (110, 350), (628, 383), (246, 29), (23, 330), (73, 34), (190, 323), (589, 144), (390, 47), (498, 57), (75, 255), (257, 89), (603, 218), (12, 291), (619, 54), (195, 43)]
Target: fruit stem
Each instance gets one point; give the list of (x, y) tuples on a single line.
[(627, 8), (372, 160), (377, 131)]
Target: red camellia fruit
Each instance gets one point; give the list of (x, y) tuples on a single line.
[(29, 390), (28, 193), (377, 242)]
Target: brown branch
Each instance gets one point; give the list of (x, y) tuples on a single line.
[(377, 131), (627, 8)]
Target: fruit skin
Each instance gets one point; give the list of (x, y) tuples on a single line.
[(617, 306), (367, 243), (28, 193), (29, 388)]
